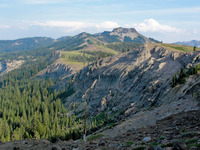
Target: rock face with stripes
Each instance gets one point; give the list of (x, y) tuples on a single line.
[(143, 77)]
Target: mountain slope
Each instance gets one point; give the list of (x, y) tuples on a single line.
[(24, 44), (130, 81), (75, 42)]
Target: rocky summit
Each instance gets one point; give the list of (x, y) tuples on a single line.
[(120, 34)]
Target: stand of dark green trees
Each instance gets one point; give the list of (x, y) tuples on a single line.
[(181, 77), (124, 47), (31, 108)]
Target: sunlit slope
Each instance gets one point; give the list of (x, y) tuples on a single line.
[(175, 47), (80, 58)]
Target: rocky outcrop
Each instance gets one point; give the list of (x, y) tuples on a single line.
[(127, 35), (9, 65), (57, 70), (125, 32), (142, 77)]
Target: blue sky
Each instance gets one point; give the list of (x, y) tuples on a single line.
[(167, 21)]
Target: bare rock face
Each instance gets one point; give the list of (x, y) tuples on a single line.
[(142, 77), (9, 65), (56, 54), (126, 32), (122, 32), (59, 69)]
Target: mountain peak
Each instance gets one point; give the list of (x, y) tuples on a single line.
[(128, 35), (83, 34), (124, 30)]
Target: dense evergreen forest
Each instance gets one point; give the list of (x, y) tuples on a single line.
[(31, 108)]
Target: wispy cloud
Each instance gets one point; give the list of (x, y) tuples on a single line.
[(4, 27), (196, 31), (152, 25), (107, 25), (76, 25), (148, 25), (187, 10)]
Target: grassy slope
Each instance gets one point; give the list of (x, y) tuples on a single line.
[(77, 65), (74, 64), (175, 47), (100, 48)]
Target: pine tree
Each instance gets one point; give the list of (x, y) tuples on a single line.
[(182, 76), (194, 49), (174, 81)]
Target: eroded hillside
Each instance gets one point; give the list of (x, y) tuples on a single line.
[(132, 81)]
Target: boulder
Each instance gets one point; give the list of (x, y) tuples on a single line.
[(147, 139), (179, 146)]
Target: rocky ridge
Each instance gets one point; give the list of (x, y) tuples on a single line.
[(133, 81)]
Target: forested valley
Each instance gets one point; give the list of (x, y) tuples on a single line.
[(31, 108)]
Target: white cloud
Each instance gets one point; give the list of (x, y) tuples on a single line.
[(4, 27), (76, 25), (107, 25), (196, 31), (152, 25)]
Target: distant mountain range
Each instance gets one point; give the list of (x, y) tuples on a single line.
[(189, 43), (118, 35), (24, 44), (127, 35)]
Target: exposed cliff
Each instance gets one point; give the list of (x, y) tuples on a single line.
[(135, 80), (9, 65)]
